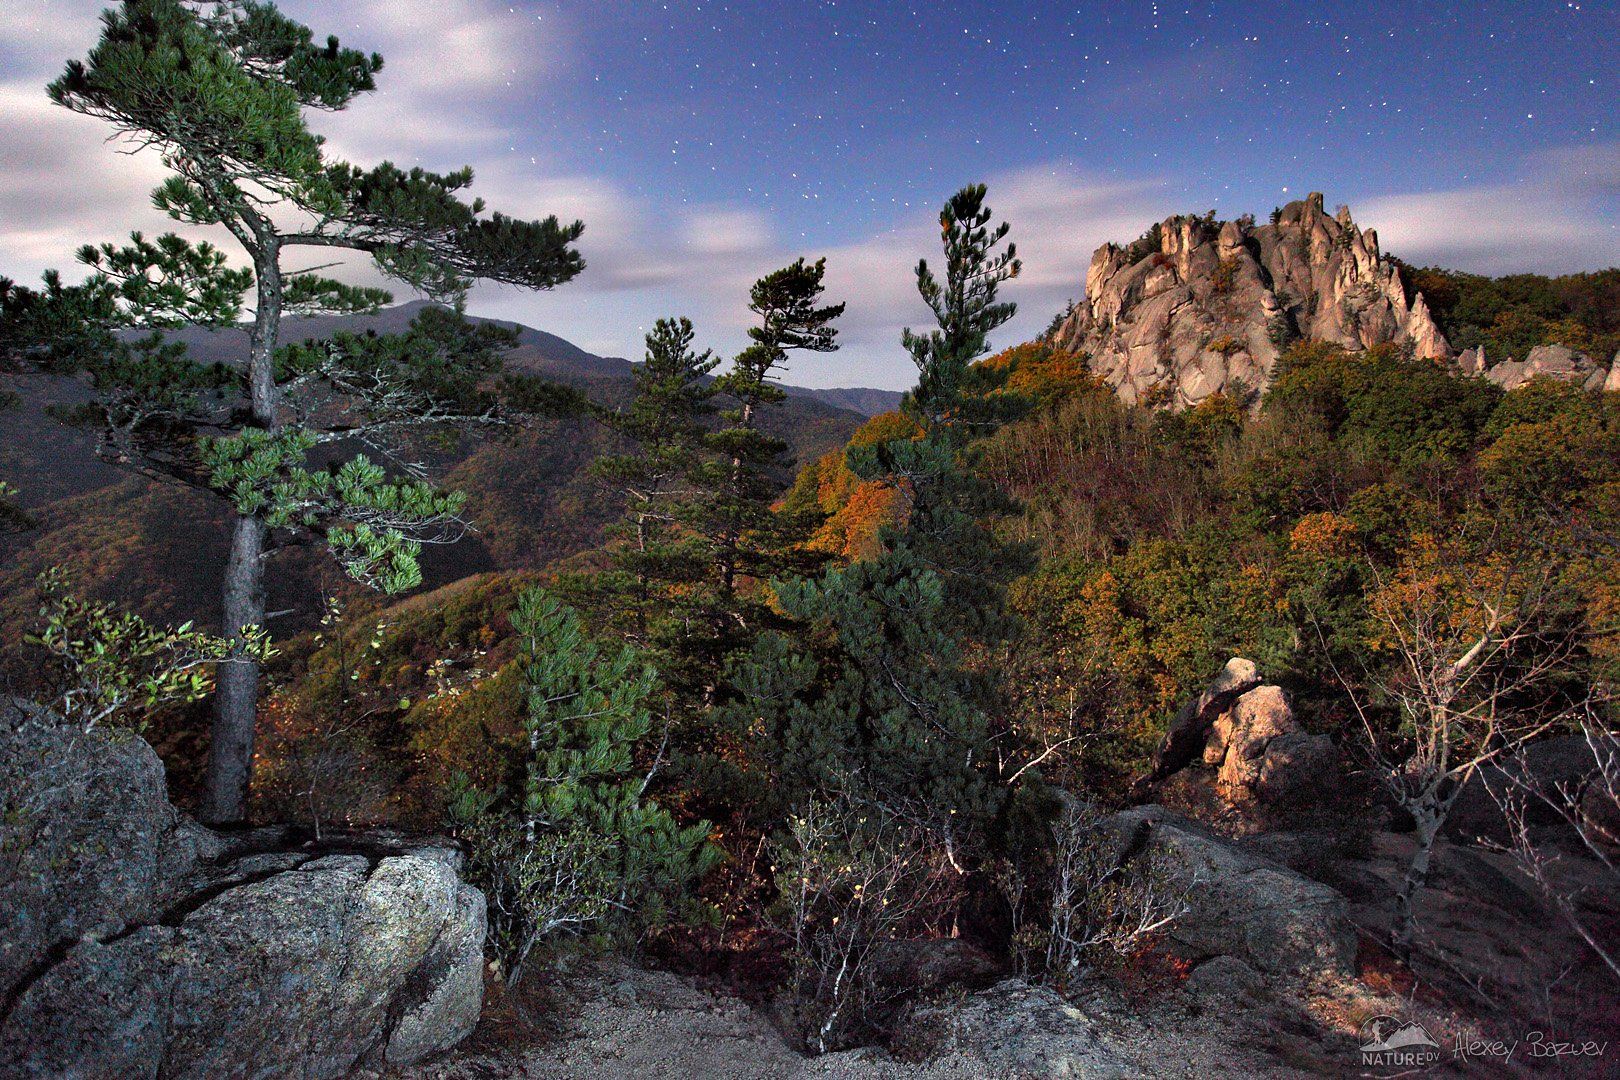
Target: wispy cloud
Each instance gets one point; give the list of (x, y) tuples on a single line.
[(1547, 221), (45, 32), (64, 184), (455, 73)]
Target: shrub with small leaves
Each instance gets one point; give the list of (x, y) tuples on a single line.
[(115, 665)]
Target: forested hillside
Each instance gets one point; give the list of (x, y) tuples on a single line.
[(1222, 683), (156, 546), (1509, 316)]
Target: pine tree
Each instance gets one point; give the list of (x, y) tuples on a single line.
[(656, 562), (571, 842), (950, 505), (887, 707), (221, 89), (749, 538)]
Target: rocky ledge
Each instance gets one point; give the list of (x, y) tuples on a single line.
[(137, 943), (1198, 307)]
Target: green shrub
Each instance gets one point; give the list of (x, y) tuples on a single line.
[(568, 844)]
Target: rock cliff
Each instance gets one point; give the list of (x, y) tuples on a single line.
[(1197, 306), (137, 943), (1544, 362)]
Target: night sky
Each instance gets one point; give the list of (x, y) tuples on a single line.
[(705, 143)]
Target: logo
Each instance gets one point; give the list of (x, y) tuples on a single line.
[(1389, 1042)]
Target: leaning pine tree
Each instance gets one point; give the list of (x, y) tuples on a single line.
[(892, 712), (222, 90), (749, 537)]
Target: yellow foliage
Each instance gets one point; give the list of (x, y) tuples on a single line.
[(1041, 372), (1322, 536)]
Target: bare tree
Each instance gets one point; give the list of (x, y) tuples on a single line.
[(1101, 904), (1588, 806), (853, 875), (1089, 898), (1478, 651)]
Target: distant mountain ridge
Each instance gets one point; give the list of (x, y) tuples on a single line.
[(537, 352), (861, 399), (160, 546)]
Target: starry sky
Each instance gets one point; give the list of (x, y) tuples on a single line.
[(704, 143)]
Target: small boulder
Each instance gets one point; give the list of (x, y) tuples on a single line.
[(1226, 980), (1294, 768)]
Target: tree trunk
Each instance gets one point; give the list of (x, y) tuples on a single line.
[(236, 686), (731, 538), (1428, 819)]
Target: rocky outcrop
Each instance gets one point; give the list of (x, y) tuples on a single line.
[(1289, 928), (1248, 734), (1261, 754), (88, 837), (1562, 763), (140, 944), (1189, 731), (1198, 306), (1544, 361)]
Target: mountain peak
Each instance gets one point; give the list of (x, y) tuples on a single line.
[(1196, 305)]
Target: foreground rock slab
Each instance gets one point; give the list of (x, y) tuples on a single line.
[(139, 944), (1018, 1030), (1294, 931), (618, 1022)]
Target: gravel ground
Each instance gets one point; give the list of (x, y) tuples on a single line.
[(625, 1023)]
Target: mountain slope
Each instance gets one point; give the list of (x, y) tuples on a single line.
[(529, 496), (864, 400)]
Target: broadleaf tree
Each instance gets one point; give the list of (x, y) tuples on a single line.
[(223, 91)]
